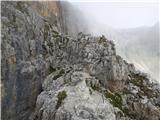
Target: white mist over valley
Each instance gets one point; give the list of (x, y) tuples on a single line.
[(133, 26)]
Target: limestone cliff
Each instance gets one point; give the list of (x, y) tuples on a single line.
[(25, 27), (48, 75)]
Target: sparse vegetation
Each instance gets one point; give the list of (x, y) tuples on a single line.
[(51, 69), (129, 114), (21, 7), (138, 80), (59, 74), (90, 91), (101, 116), (102, 39), (95, 87), (55, 34), (61, 96), (115, 99)]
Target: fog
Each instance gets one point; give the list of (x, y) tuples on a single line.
[(121, 14), (133, 26)]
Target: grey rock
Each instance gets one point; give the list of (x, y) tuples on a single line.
[(40, 62), (23, 59), (79, 104)]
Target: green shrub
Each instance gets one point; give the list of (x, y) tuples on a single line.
[(115, 99), (61, 96), (59, 74), (138, 80), (51, 69)]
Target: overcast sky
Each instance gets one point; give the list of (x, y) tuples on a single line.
[(120, 14)]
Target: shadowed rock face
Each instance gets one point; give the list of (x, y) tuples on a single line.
[(23, 64), (38, 58)]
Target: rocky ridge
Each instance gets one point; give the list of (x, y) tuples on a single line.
[(78, 78), (92, 82)]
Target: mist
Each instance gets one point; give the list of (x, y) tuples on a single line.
[(120, 14), (133, 26)]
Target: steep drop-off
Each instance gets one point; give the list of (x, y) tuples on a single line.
[(48, 75)]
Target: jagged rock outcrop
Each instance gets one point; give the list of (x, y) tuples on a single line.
[(26, 29), (90, 69), (80, 102), (76, 78)]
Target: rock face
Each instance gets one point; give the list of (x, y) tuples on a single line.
[(96, 84), (24, 31), (76, 78), (80, 103)]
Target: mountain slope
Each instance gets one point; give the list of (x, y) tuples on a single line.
[(45, 73), (92, 82), (144, 49)]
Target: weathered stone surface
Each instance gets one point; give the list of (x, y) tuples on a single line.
[(76, 78), (87, 98), (81, 102), (24, 64)]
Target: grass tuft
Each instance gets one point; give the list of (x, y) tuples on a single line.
[(61, 96)]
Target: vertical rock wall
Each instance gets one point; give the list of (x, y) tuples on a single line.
[(25, 26)]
